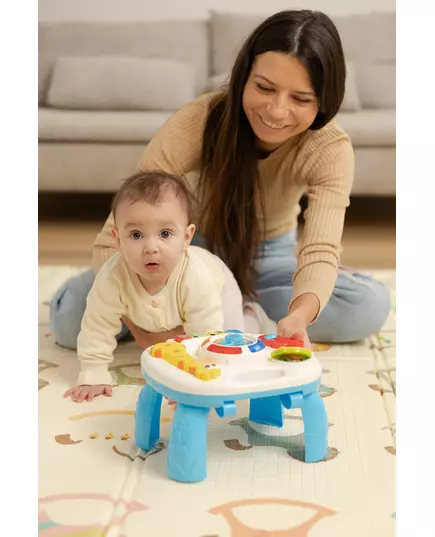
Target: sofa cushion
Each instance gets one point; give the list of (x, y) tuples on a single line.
[(370, 127), (180, 40), (218, 82), (351, 101), (228, 33), (98, 126), (368, 37), (377, 84), (120, 83)]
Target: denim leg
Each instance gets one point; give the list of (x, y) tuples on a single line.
[(67, 308), (275, 264), (358, 307)]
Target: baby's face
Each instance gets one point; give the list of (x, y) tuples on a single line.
[(152, 238)]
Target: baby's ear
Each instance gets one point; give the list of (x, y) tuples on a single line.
[(115, 235), (188, 235)]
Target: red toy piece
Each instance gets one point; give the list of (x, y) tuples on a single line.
[(223, 349), (281, 341), (181, 338)]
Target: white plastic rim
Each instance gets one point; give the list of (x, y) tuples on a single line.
[(246, 375)]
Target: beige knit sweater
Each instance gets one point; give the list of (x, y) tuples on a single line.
[(320, 163)]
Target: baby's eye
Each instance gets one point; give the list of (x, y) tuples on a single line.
[(136, 235), (165, 234)]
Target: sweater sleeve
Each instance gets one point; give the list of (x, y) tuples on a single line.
[(201, 301), (329, 184), (100, 325), (176, 149)]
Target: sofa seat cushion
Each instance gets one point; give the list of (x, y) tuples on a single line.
[(370, 128), (98, 126)]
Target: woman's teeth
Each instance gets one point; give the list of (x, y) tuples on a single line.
[(273, 125)]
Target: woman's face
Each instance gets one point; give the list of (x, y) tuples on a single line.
[(278, 99)]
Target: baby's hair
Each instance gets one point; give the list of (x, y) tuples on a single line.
[(151, 186)]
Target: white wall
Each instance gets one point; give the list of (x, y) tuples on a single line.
[(61, 10)]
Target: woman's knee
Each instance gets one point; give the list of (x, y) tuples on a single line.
[(353, 313), (67, 308)]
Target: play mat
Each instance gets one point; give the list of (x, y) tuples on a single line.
[(94, 481)]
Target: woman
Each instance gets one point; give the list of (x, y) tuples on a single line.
[(248, 154)]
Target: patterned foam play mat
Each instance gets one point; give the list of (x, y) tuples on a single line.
[(94, 481)]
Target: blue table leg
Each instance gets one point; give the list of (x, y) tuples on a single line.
[(187, 450), (147, 418), (267, 410), (315, 427)]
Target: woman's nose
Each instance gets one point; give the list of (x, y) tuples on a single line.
[(279, 109)]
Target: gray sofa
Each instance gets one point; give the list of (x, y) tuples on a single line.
[(106, 88)]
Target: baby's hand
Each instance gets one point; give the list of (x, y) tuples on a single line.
[(87, 393)]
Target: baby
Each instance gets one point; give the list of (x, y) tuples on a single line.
[(156, 279)]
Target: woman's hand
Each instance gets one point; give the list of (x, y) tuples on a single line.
[(294, 327), (145, 339), (302, 312)]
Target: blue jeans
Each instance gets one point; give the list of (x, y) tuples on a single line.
[(358, 307)]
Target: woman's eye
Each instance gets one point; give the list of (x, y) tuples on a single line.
[(264, 89), (165, 234), (136, 235), (302, 101)]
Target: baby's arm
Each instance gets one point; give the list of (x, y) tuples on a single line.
[(97, 339)]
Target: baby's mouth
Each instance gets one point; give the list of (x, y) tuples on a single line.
[(152, 266)]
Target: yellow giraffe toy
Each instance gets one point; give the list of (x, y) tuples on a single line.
[(176, 354)]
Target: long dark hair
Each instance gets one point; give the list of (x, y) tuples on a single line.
[(229, 183)]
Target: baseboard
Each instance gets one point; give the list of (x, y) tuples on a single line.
[(96, 207)]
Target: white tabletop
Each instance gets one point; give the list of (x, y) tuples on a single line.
[(258, 375)]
